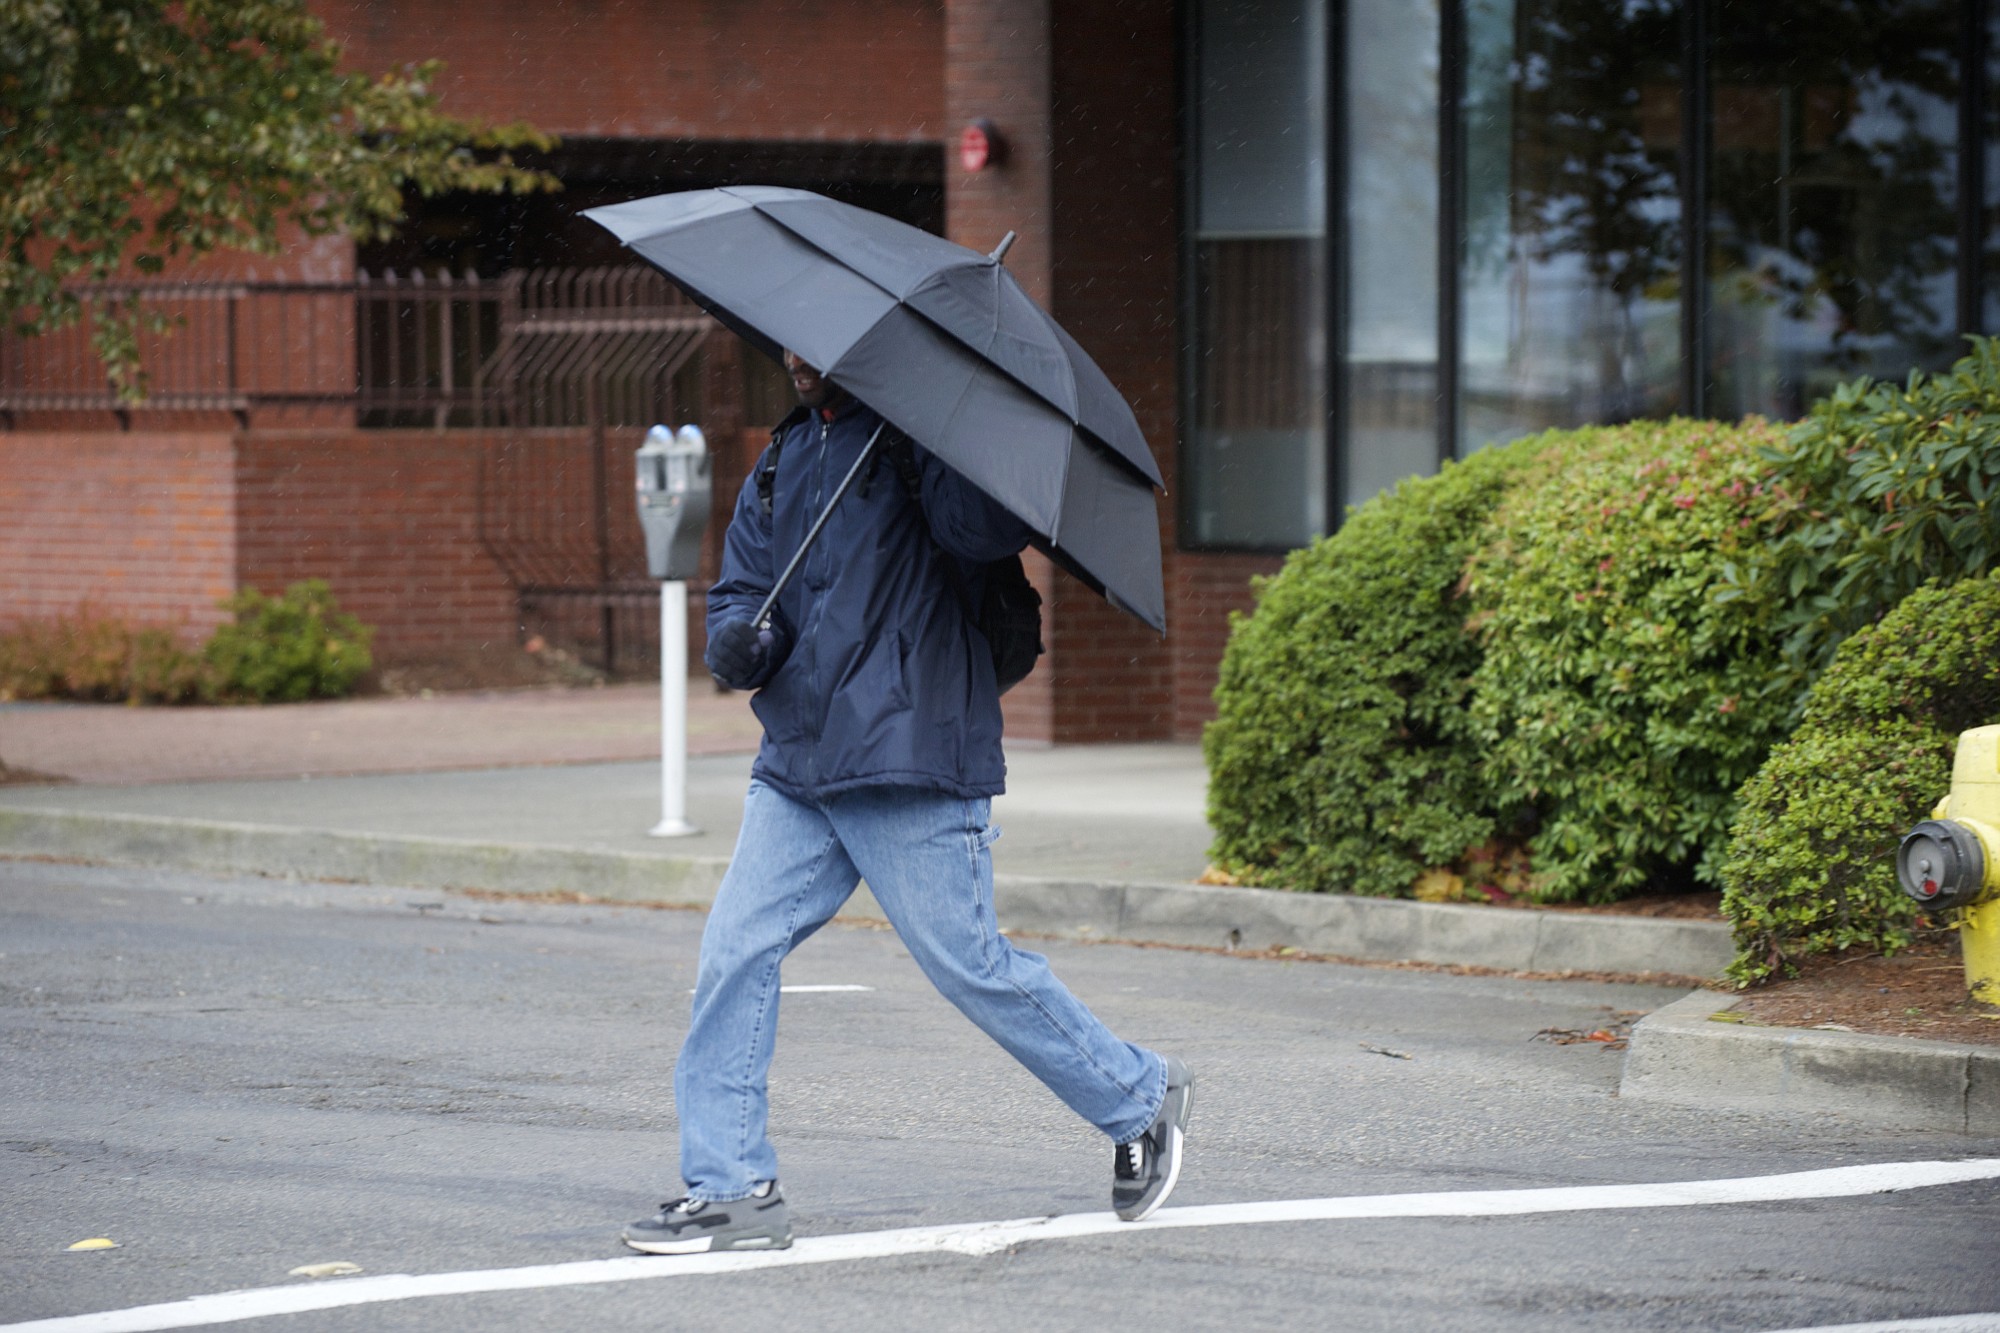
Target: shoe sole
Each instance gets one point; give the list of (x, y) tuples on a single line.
[(712, 1244), (1175, 1137)]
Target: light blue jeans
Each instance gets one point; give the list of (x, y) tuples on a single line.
[(924, 855)]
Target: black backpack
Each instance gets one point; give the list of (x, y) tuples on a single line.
[(1009, 613)]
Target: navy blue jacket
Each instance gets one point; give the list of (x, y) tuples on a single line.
[(875, 676)]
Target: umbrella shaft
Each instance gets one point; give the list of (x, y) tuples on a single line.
[(762, 620)]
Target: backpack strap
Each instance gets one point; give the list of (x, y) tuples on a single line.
[(767, 474)]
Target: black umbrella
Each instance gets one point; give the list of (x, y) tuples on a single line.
[(942, 342)]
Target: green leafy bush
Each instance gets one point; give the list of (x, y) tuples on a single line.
[(1810, 863), (298, 646), (1900, 484), (93, 657), (1336, 760), (1619, 697)]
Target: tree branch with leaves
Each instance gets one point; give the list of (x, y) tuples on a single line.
[(134, 134)]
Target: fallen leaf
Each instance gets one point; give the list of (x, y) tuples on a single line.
[(1438, 885), (338, 1268), (96, 1243), (1610, 1039), (1384, 1050)]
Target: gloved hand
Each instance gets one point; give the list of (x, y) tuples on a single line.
[(736, 653)]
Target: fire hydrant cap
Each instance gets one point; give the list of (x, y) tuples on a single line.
[(1940, 860)]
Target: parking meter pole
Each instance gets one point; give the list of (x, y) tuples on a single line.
[(674, 492), (673, 712)]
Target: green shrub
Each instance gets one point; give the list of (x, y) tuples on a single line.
[(299, 646), (1336, 760), (1619, 697), (1900, 481), (1810, 864), (94, 657)]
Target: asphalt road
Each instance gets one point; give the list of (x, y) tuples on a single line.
[(235, 1077)]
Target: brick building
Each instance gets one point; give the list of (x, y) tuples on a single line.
[(1320, 245)]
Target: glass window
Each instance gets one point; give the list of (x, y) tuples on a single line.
[(1832, 197), (1569, 269), (1390, 380), (1255, 471)]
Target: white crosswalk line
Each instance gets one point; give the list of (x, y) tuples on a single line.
[(985, 1238), (1951, 1323)]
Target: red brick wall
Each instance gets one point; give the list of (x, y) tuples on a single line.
[(1115, 225), (996, 66), (1202, 589), (727, 69), (388, 519), (137, 526)]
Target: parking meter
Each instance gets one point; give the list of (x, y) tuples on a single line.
[(674, 500), (674, 490)]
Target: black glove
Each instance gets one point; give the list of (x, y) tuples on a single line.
[(736, 653)]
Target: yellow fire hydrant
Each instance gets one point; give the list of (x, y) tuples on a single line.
[(1952, 859)]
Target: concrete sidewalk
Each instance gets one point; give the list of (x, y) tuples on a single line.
[(101, 743), (1122, 812)]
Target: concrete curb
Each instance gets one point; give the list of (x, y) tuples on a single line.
[(1678, 1055), (1365, 928), (362, 858), (1376, 929)]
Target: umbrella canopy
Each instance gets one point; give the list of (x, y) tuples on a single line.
[(942, 342)]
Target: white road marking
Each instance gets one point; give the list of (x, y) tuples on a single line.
[(985, 1238), (799, 991), (1951, 1323)]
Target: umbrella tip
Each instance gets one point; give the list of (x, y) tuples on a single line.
[(1000, 250)]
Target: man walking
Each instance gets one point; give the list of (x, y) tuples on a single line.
[(881, 751)]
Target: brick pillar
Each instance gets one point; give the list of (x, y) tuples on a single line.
[(996, 66), (1115, 223)]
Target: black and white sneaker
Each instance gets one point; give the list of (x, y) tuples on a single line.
[(1144, 1171), (692, 1226)]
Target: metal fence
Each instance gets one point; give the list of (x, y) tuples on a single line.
[(560, 366), (533, 347)]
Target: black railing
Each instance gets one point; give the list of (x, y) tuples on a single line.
[(534, 347)]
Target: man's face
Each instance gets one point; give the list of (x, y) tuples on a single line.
[(807, 383)]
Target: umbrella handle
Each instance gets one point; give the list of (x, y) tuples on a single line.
[(762, 620)]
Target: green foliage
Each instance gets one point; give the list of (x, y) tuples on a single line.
[(1336, 760), (92, 657), (299, 646), (1900, 483), (1809, 867), (1619, 697), (141, 133), (1648, 605)]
